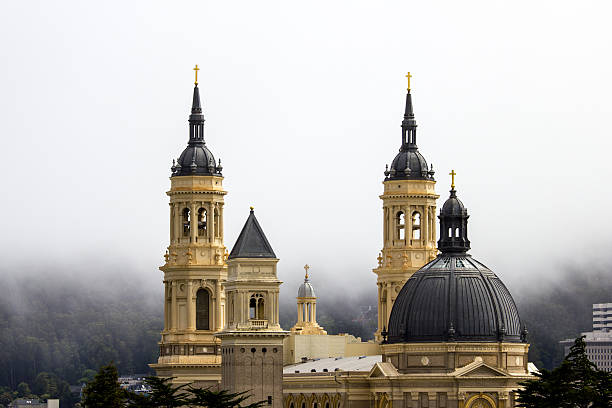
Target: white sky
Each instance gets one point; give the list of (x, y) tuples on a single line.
[(303, 102)]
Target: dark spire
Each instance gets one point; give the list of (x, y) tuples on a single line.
[(252, 242), (409, 126), (196, 159), (409, 163), (453, 224), (196, 119)]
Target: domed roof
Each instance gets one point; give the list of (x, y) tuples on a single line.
[(196, 159), (306, 289), (453, 206), (454, 298), (409, 163)]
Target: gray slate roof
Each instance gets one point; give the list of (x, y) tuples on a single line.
[(252, 242)]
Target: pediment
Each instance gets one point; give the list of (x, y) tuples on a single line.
[(478, 369), (385, 369)]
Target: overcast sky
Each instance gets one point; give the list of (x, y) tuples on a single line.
[(303, 104)]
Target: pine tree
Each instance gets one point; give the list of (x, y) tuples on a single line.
[(576, 383), (204, 397), (104, 391)]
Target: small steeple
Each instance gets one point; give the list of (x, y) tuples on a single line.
[(252, 242), (409, 123), (409, 163), (453, 223), (196, 119)]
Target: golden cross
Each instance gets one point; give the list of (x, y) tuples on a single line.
[(408, 76), (452, 174), (306, 267), (196, 69)]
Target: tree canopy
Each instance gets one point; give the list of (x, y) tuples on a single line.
[(576, 383)]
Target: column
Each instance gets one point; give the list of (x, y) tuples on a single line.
[(166, 308), (300, 312), (218, 324), (221, 222), (172, 236), (389, 305), (425, 226), (194, 222), (190, 307), (314, 312), (210, 220), (380, 317), (177, 222), (174, 307)]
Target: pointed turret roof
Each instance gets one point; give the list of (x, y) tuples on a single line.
[(252, 242)]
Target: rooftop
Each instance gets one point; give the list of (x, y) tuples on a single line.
[(358, 363)]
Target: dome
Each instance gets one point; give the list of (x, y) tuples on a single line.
[(453, 206), (454, 298), (196, 159), (409, 164), (306, 289)]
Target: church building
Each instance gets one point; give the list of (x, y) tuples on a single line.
[(449, 333)]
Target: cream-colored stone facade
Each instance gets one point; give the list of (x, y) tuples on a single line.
[(409, 239), (419, 375), (252, 342), (303, 346), (194, 272)]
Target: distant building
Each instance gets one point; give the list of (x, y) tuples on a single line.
[(34, 403), (602, 317), (599, 341), (309, 341)]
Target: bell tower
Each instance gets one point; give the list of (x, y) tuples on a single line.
[(252, 342), (195, 267), (409, 218)]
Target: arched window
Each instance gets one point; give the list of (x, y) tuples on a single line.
[(186, 222), (416, 225), (260, 309), (450, 232), (401, 223), (252, 308), (457, 232), (202, 222), (202, 310)]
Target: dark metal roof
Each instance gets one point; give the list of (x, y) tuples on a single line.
[(196, 159), (409, 164), (454, 298), (252, 242), (453, 226)]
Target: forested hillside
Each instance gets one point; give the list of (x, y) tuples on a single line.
[(53, 330)]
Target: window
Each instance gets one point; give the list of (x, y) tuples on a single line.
[(401, 223), (257, 307), (252, 308), (416, 225), (202, 310), (202, 222), (457, 232), (186, 222)]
